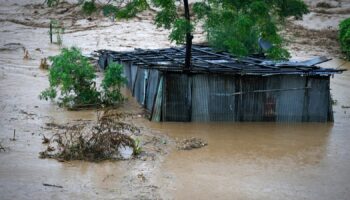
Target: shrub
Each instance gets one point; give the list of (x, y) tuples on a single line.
[(52, 3), (89, 7), (72, 75), (109, 10), (132, 8), (112, 83), (344, 36)]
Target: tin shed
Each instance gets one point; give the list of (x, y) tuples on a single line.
[(221, 87)]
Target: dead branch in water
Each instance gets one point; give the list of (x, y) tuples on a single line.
[(51, 185), (92, 142)]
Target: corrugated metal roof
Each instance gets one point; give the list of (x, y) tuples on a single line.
[(205, 59)]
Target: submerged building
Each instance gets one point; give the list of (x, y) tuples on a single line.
[(221, 87)]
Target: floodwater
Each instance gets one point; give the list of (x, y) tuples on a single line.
[(264, 160), (241, 161)]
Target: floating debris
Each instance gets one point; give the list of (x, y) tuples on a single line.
[(45, 140), (43, 64), (106, 140), (51, 185), (2, 148), (189, 144)]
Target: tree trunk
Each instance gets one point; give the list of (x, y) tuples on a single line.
[(189, 38)]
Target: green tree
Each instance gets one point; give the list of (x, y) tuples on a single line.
[(73, 76), (344, 37), (231, 25), (236, 26)]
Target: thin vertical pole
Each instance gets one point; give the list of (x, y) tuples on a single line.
[(51, 32)]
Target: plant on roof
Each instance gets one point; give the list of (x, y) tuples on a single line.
[(344, 37)]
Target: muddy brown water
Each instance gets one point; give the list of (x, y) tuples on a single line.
[(264, 160), (241, 161)]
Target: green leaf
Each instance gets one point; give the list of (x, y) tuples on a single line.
[(180, 28)]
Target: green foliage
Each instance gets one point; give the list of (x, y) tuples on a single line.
[(72, 75), (109, 10), (112, 83), (137, 147), (167, 15), (344, 37), (89, 7), (287, 8), (180, 28), (236, 26), (132, 8), (52, 3)]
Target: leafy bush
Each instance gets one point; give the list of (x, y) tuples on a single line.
[(109, 10), (52, 3), (72, 75), (344, 36), (112, 83), (132, 8), (89, 7)]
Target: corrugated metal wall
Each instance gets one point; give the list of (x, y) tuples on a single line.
[(200, 98), (251, 102), (152, 87), (127, 73), (283, 98), (218, 97), (319, 100), (139, 91), (290, 103), (158, 103), (222, 106), (176, 98), (133, 72)]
